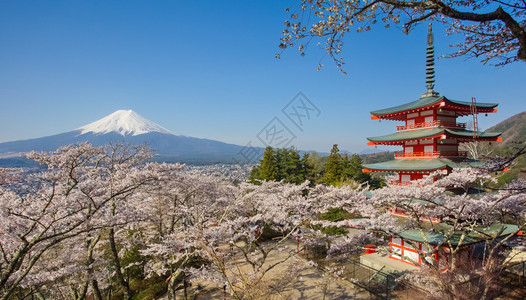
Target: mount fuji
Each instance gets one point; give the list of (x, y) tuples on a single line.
[(123, 122), (128, 126)]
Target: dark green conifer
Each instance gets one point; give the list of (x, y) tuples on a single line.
[(268, 169), (254, 177), (333, 167), (354, 168)]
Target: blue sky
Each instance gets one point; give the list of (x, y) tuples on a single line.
[(207, 69)]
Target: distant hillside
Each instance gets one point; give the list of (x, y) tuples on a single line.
[(373, 158), (513, 129)]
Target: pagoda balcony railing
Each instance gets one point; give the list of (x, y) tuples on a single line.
[(400, 183), (430, 154), (435, 123)]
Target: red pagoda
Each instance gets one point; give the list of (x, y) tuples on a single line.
[(430, 136)]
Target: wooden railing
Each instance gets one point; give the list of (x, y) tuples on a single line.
[(400, 183), (430, 154), (417, 154), (434, 123)]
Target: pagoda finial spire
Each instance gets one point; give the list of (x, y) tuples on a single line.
[(430, 65)]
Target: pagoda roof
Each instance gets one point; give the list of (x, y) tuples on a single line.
[(399, 137), (396, 112), (421, 164)]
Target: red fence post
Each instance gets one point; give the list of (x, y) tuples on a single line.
[(297, 245)]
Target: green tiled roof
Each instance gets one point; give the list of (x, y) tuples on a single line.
[(424, 133), (408, 135), (482, 105), (419, 164), (439, 230), (422, 102), (469, 133), (426, 101)]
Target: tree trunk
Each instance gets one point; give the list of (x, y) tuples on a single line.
[(128, 294), (171, 284), (184, 287), (96, 291), (91, 243), (109, 291)]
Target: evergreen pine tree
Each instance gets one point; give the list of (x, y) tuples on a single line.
[(268, 169), (354, 169), (254, 177), (281, 160), (333, 167), (292, 167), (314, 168), (307, 169)]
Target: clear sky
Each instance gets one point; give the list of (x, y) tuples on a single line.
[(207, 69)]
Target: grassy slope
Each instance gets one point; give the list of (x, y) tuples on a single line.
[(513, 129)]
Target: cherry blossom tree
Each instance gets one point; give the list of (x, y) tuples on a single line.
[(177, 210), (64, 209), (9, 176), (228, 231), (493, 29), (477, 150), (68, 233), (448, 213)]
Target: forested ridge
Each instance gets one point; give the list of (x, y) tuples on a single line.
[(336, 169)]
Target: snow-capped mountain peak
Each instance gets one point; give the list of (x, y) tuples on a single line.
[(124, 122)]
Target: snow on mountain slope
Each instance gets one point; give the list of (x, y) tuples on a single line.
[(124, 122), (129, 127)]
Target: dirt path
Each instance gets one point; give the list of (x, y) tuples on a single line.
[(292, 279)]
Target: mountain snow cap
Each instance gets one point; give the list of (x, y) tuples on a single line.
[(124, 122)]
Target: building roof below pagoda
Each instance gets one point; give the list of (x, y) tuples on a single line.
[(430, 133), (428, 101), (441, 230), (421, 164)]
